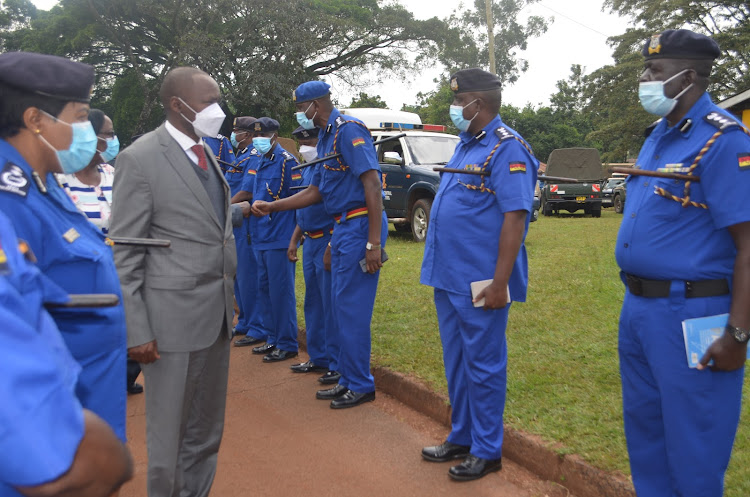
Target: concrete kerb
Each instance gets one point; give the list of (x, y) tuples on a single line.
[(530, 451)]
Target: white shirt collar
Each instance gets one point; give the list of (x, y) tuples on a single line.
[(181, 138)]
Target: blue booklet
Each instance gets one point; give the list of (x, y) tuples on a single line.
[(700, 333)]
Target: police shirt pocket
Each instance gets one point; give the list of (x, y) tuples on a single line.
[(665, 207), (471, 191), (171, 282)]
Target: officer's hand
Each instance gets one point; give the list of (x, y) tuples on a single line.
[(728, 354), (146, 353), (246, 209), (291, 252), (327, 258), (261, 208), (373, 258), (495, 296)]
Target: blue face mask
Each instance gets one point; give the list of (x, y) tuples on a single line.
[(457, 116), (81, 150), (262, 144), (653, 99), (233, 139), (303, 120), (113, 148)]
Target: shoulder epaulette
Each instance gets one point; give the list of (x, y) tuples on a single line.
[(504, 134), (720, 121), (340, 121), (13, 179), (287, 155), (647, 132)]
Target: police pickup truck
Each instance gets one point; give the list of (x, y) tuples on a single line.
[(409, 183)]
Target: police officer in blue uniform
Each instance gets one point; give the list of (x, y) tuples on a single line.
[(44, 129), (41, 418), (222, 149), (477, 229), (350, 189), (273, 181), (317, 228), (684, 252)]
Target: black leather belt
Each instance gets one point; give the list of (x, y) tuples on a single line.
[(642, 287)]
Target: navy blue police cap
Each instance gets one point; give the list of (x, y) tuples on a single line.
[(47, 75), (310, 91), (474, 79), (244, 123), (680, 44), (265, 125), (303, 133)]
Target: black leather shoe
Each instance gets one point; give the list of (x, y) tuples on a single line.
[(279, 355), (330, 378), (135, 388), (248, 340), (236, 332), (474, 468), (445, 452), (352, 399), (307, 367), (264, 349), (331, 393)]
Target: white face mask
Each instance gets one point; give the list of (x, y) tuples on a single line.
[(208, 121), (308, 153)]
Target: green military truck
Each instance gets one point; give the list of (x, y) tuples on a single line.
[(581, 164)]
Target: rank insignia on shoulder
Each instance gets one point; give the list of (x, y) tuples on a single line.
[(71, 235), (358, 141), (518, 167), (287, 155), (743, 160), (14, 180), (720, 120), (340, 121), (504, 134)]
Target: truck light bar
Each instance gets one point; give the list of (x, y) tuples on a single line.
[(423, 127)]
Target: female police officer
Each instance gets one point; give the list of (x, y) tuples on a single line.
[(44, 129)]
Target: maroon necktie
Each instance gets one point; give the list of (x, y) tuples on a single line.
[(201, 153)]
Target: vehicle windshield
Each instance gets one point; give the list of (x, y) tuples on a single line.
[(614, 182), (431, 150)]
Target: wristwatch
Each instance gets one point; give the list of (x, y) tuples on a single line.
[(738, 334), (370, 246)]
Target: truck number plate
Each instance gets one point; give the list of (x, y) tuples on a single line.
[(580, 199)]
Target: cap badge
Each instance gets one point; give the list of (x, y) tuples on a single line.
[(454, 84), (655, 44), (257, 126), (294, 95)]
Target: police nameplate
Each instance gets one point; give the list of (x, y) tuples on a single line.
[(71, 235), (14, 180)]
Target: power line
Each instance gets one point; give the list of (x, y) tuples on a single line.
[(573, 20)]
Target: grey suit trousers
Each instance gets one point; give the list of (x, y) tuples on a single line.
[(185, 401)]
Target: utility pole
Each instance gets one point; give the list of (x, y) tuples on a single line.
[(491, 35)]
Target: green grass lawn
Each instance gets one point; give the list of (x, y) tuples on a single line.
[(563, 376)]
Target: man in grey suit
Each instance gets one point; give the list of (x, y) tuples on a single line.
[(178, 301)]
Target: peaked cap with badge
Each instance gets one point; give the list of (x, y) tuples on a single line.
[(265, 125), (244, 123), (681, 44), (47, 75), (474, 79), (303, 133)]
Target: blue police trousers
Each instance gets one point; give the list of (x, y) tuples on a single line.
[(353, 300), (251, 317), (475, 356), (276, 283), (680, 423), (318, 316)]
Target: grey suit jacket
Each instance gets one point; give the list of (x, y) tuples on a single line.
[(180, 295)]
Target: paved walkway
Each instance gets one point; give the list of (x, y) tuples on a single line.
[(281, 441)]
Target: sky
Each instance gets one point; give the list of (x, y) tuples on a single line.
[(577, 36)]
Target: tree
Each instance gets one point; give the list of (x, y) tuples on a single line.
[(258, 50), (363, 100)]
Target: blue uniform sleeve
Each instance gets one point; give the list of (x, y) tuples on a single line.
[(725, 179), (355, 144), (248, 179), (513, 177), (41, 421), (227, 152)]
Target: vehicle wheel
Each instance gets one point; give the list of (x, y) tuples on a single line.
[(617, 202), (534, 215), (420, 219), (402, 228), (546, 209)]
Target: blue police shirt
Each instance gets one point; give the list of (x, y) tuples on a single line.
[(467, 215), (315, 217), (41, 421), (70, 251), (222, 149), (273, 181), (235, 174), (338, 180), (658, 238)]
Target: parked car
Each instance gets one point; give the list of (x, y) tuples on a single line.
[(618, 197), (607, 190)]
